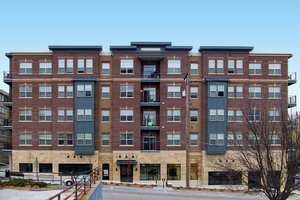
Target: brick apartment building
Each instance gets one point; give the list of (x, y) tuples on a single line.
[(141, 113), (5, 135)]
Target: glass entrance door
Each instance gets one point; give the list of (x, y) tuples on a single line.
[(149, 142), (126, 173)]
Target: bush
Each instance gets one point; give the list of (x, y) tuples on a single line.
[(23, 183)]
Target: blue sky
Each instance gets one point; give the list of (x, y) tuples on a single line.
[(267, 25)]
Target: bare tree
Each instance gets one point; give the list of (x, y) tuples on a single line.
[(270, 154)]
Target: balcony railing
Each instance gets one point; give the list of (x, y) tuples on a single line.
[(7, 77), (153, 77), (292, 101), (292, 78)]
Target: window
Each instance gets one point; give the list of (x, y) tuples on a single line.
[(194, 68), (62, 65), (230, 115), (254, 92), (65, 139), (173, 91), (126, 66), (212, 66), (126, 91), (274, 69), (274, 139), (254, 139), (234, 115), (105, 115), (235, 67), (225, 178), (89, 66), (25, 115), (65, 91), (105, 139), (173, 115), (235, 139), (194, 115), (235, 91), (45, 68), (174, 172), (254, 115), (216, 139), (25, 139), (105, 92), (173, 139), (194, 92), (84, 139), (216, 115), (126, 139), (80, 65), (274, 115), (25, 68), (84, 114), (25, 91), (85, 66), (105, 68), (25, 167), (65, 115), (255, 68), (274, 92), (149, 117), (45, 115), (84, 90), (239, 115), (45, 91), (150, 172), (193, 139), (126, 115), (217, 90), (45, 139), (230, 139), (174, 66)]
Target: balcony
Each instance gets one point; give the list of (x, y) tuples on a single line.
[(7, 77), (292, 78), (7, 102), (292, 101), (150, 128), (150, 142), (150, 78)]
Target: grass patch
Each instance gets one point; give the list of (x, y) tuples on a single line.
[(23, 183)]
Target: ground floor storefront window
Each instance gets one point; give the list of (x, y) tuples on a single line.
[(174, 172), (225, 178), (150, 172)]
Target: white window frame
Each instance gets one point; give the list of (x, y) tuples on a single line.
[(174, 66)]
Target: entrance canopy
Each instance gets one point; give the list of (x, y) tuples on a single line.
[(126, 162)]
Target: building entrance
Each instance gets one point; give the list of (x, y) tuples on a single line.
[(126, 173)]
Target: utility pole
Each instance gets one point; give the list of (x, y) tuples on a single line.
[(187, 143)]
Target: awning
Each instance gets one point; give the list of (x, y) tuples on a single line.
[(151, 57), (125, 162)]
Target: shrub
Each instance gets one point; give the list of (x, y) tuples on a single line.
[(23, 183)]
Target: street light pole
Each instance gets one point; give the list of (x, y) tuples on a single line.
[(187, 150)]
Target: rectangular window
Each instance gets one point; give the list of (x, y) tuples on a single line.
[(84, 114), (150, 172), (225, 178), (61, 66), (194, 115), (274, 115), (173, 115), (216, 139), (254, 115), (105, 68), (216, 115), (25, 115), (45, 139), (193, 139), (70, 65), (69, 93), (239, 66), (254, 139), (194, 69), (25, 139), (254, 92), (220, 66), (235, 91), (25, 91), (194, 92), (25, 68), (84, 90), (230, 91), (84, 139), (274, 92), (65, 115), (105, 115), (45, 68), (255, 69), (211, 66), (230, 139), (126, 139), (61, 91), (126, 66), (230, 115), (235, 66), (235, 139), (80, 66), (45, 91), (61, 115), (174, 66), (174, 171), (65, 91), (45, 115), (89, 66), (217, 90), (126, 91), (173, 91), (239, 91), (65, 139), (274, 140), (239, 115), (105, 139), (274, 69), (105, 92), (126, 115), (173, 139)]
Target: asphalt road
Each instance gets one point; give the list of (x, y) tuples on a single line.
[(132, 193)]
